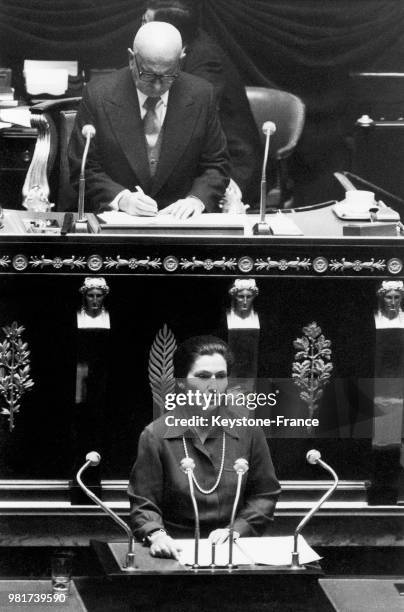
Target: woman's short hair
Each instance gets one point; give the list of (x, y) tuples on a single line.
[(189, 351)]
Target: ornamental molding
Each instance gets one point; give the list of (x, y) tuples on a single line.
[(57, 262), (357, 265), (283, 264), (174, 264), (132, 263), (5, 261), (208, 264), (394, 265)]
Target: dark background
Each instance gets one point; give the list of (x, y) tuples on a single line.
[(41, 445), (308, 47)]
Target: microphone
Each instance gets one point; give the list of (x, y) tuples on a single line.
[(313, 457), (240, 467), (188, 465), (93, 458), (262, 227), (88, 132), (269, 127)]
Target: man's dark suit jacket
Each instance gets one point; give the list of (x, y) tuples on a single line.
[(204, 58), (193, 158)]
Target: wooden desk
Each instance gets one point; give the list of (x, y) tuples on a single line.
[(165, 585), (181, 281), (352, 567), (364, 594), (322, 252)]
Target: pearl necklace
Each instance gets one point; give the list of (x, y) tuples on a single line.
[(219, 476)]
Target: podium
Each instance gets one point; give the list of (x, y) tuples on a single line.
[(164, 585)]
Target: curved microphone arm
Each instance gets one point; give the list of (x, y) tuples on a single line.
[(93, 459), (313, 457), (88, 132), (84, 159)]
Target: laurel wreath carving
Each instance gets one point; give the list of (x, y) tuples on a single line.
[(161, 368), (311, 370), (15, 370)]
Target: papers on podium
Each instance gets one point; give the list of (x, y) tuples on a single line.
[(219, 224), (275, 551), (16, 116), (212, 224)]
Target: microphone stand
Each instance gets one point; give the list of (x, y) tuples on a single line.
[(262, 228), (295, 554), (130, 555), (240, 467), (230, 565), (80, 226), (188, 467)]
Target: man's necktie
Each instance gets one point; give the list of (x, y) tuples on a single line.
[(150, 121)]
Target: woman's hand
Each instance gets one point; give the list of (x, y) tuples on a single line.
[(220, 536), (162, 545)]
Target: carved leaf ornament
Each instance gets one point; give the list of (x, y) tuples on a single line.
[(161, 368), (14, 371), (311, 370)]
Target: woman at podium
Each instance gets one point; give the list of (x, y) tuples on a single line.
[(198, 425)]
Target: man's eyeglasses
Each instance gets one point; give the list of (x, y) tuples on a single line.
[(150, 77)]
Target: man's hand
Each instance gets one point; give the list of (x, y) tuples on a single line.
[(220, 536), (184, 208), (161, 545), (138, 203)]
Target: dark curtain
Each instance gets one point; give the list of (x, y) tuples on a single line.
[(305, 46)]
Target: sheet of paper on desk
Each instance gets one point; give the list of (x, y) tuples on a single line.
[(249, 551), (20, 115), (283, 225), (113, 217)]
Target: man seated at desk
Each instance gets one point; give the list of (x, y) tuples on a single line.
[(159, 145)]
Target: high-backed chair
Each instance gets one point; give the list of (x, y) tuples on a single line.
[(287, 111), (48, 179)]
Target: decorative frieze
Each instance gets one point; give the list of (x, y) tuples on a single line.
[(172, 263), (357, 265)]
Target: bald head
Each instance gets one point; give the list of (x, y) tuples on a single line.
[(157, 42), (155, 59)]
